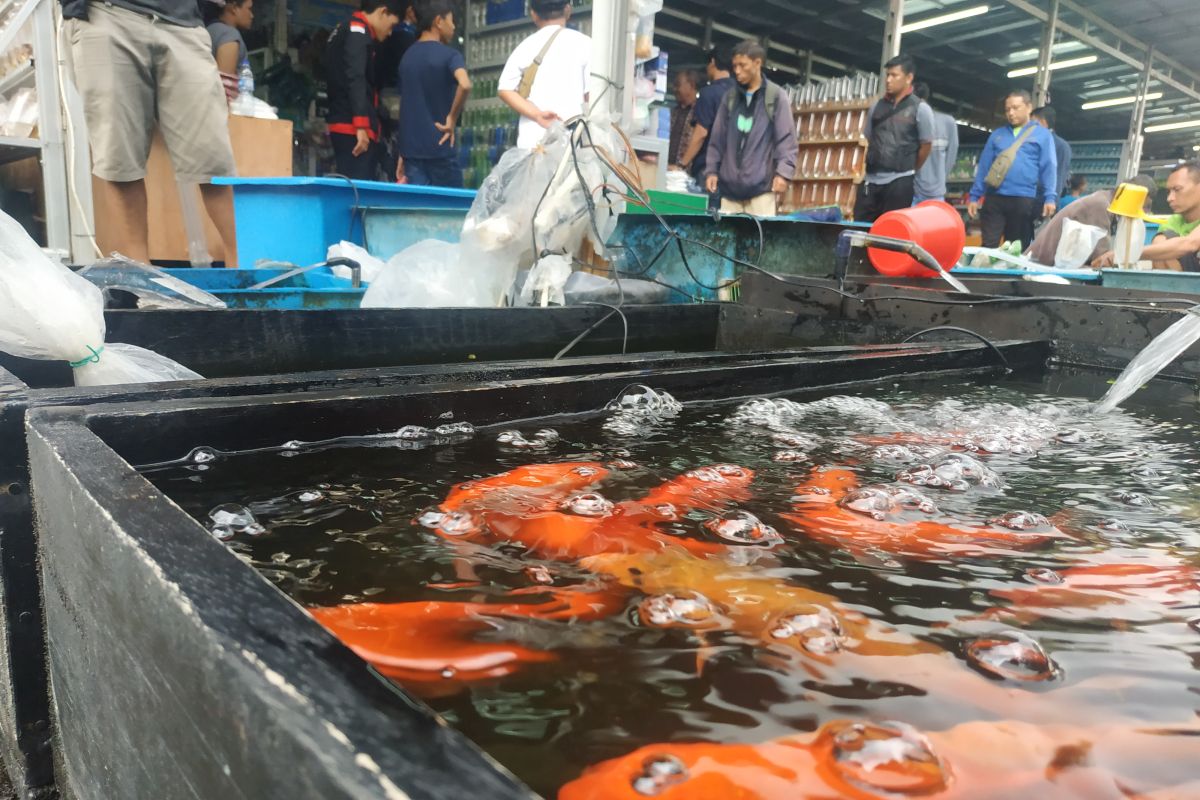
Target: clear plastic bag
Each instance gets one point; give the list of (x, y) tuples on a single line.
[(371, 266), (545, 283), (430, 274), (1076, 244), (152, 287), (50, 313)]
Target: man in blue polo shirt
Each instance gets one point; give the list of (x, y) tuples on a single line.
[(433, 89), (1008, 208)]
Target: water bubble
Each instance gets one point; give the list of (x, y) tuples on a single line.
[(955, 472), (202, 455), (742, 527), (818, 629), (449, 672), (547, 435), (230, 519), (1136, 499), (638, 407), (893, 454), (1020, 521), (539, 574), (888, 757), (731, 471), (667, 511), (790, 456), (1012, 655), (795, 441), (455, 429), (879, 501), (414, 433), (659, 773), (690, 609), (623, 463), (451, 523), (1043, 575), (1112, 525), (294, 444), (705, 475), (310, 496), (1073, 436), (810, 494), (588, 504)]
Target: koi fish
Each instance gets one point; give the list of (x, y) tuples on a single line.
[(434, 648), (544, 508), (1113, 591), (831, 508), (871, 761)]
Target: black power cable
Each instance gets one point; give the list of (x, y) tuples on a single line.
[(955, 329)]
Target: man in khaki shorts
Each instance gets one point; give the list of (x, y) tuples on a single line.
[(137, 63)]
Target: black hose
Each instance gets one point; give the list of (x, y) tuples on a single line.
[(971, 333)]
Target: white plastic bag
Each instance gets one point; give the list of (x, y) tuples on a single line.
[(50, 313), (545, 283), (371, 266), (1076, 244), (430, 274)]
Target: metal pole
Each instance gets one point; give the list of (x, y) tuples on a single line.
[(50, 130), (891, 32), (612, 59), (1131, 154), (1041, 89)]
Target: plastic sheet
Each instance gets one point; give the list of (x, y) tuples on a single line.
[(50, 313), (583, 287), (544, 286), (152, 287), (430, 274)]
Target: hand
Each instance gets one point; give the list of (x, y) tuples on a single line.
[(400, 176), (711, 183), (973, 209), (447, 130), (1049, 210), (546, 118), (779, 185), (1105, 261), (362, 142)]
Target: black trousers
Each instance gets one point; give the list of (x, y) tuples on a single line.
[(874, 201), (1007, 217), (363, 167)]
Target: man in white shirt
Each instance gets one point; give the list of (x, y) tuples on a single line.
[(559, 87)]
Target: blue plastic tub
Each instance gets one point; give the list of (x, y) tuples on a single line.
[(296, 219), (1152, 280), (317, 288), (387, 231)]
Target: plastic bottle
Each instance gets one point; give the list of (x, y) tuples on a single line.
[(245, 101)]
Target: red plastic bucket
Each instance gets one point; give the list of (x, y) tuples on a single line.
[(934, 225)]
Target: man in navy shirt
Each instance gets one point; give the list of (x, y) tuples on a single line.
[(708, 104), (433, 89)]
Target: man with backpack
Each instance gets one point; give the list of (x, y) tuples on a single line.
[(1016, 158), (546, 77), (900, 130), (751, 157)]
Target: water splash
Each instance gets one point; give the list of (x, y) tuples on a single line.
[(230, 519), (1153, 359)]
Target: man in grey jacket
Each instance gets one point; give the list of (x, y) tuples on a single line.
[(930, 180), (752, 148)]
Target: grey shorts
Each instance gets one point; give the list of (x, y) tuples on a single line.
[(133, 71), (1190, 262)]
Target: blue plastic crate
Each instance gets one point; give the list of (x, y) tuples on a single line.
[(504, 10), (295, 220)]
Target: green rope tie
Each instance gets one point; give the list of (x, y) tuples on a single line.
[(94, 358)]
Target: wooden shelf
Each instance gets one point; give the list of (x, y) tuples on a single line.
[(858, 140), (855, 177), (858, 105)]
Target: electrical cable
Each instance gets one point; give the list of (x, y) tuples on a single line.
[(956, 329), (354, 209)]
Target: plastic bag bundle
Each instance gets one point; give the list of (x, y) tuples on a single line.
[(1076, 244), (545, 283), (50, 313), (566, 218)]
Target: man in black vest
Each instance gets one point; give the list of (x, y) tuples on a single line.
[(899, 133)]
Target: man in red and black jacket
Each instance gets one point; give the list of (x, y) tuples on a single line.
[(353, 97)]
